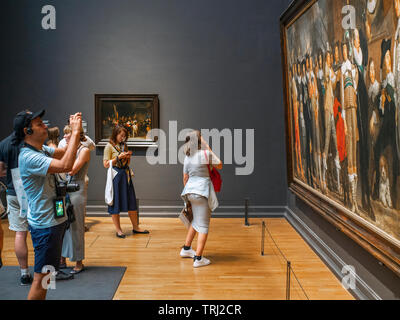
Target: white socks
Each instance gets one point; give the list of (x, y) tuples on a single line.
[(24, 272)]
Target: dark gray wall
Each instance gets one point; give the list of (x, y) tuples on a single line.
[(215, 64)]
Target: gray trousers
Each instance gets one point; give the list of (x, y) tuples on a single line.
[(74, 238), (201, 213)]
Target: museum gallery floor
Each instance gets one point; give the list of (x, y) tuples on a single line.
[(238, 270)]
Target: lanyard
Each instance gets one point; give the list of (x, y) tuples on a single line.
[(119, 152)]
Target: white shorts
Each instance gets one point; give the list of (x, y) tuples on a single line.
[(17, 223)]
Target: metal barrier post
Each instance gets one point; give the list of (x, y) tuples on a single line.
[(246, 212), (288, 280), (262, 238), (137, 206)]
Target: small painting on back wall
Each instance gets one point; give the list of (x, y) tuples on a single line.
[(137, 113)]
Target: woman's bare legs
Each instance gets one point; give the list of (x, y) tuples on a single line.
[(78, 265), (201, 242), (21, 248), (37, 292), (190, 236), (133, 215), (117, 223)]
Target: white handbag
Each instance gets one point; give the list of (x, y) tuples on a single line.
[(109, 192)]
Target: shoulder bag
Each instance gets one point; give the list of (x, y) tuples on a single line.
[(186, 214), (109, 192), (214, 175)]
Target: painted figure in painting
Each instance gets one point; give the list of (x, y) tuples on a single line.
[(319, 71), (388, 127), (396, 69), (340, 128), (373, 102), (373, 111), (360, 50), (302, 125), (348, 82), (330, 125), (148, 123), (135, 128), (308, 125), (313, 101), (295, 105)]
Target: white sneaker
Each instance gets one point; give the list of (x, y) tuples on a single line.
[(201, 263), (187, 253)]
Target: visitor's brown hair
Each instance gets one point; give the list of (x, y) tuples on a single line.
[(67, 130), (192, 142), (116, 131), (54, 133)]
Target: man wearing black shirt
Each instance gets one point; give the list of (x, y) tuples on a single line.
[(2, 174), (17, 218)]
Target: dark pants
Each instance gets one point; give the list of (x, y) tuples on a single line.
[(47, 244)]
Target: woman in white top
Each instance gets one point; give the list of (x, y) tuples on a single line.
[(199, 191), (74, 238)]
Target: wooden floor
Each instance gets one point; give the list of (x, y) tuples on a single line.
[(238, 271)]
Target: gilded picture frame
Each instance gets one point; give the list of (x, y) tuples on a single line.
[(138, 113)]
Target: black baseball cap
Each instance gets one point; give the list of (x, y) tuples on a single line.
[(23, 119)]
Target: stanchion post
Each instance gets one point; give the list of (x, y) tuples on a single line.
[(137, 207), (288, 269), (262, 237), (246, 212)]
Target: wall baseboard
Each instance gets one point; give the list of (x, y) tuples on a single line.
[(335, 263), (174, 210)]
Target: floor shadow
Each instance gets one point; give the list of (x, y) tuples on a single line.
[(216, 257), (91, 223)]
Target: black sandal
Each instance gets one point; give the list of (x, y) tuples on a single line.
[(140, 232), (122, 236), (73, 271)]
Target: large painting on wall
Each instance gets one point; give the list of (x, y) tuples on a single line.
[(138, 113), (341, 71)]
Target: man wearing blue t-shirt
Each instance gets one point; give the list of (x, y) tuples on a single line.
[(37, 165)]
